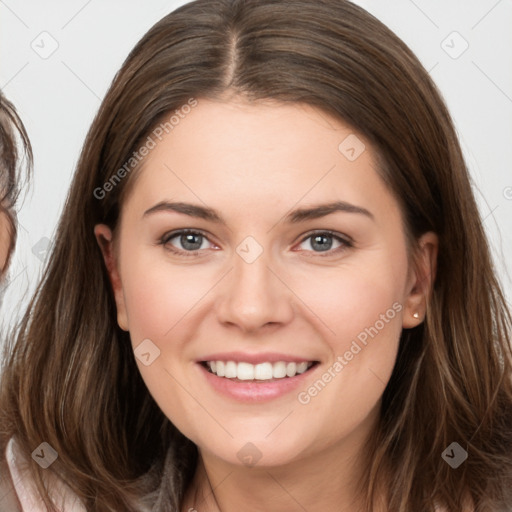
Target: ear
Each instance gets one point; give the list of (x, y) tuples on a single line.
[(421, 280), (104, 238)]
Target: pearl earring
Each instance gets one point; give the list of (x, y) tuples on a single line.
[(416, 315)]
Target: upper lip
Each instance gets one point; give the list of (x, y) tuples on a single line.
[(264, 357)]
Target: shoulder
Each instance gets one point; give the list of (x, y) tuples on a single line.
[(8, 498), (24, 490)]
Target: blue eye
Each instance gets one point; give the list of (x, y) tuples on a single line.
[(322, 240), (192, 242)]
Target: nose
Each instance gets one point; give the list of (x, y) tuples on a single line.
[(255, 295)]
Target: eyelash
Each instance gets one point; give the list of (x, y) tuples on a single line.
[(345, 241)]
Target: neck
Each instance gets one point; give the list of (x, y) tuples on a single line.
[(326, 480)]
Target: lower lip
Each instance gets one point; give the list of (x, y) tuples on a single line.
[(254, 391)]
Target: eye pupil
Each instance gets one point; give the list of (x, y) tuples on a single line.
[(189, 239), (323, 245), (191, 242)]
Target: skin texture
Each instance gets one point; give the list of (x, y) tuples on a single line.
[(5, 241), (253, 163)]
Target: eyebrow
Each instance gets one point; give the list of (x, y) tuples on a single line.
[(294, 217)]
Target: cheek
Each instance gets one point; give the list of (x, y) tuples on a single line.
[(159, 294), (354, 297), (346, 301), (339, 307), (160, 299), (360, 308)]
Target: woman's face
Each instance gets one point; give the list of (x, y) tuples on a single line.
[(270, 281)]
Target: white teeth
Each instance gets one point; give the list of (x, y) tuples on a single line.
[(220, 368), (291, 369), (279, 370), (302, 367), (261, 371), (230, 370), (245, 371)]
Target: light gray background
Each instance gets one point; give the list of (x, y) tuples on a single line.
[(58, 95)]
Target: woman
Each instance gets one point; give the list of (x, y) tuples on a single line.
[(263, 367), (11, 130), (13, 137)]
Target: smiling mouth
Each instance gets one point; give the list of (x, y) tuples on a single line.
[(262, 372)]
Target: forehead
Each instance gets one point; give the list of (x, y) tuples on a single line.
[(248, 156)]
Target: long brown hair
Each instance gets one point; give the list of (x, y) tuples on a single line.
[(71, 379)]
